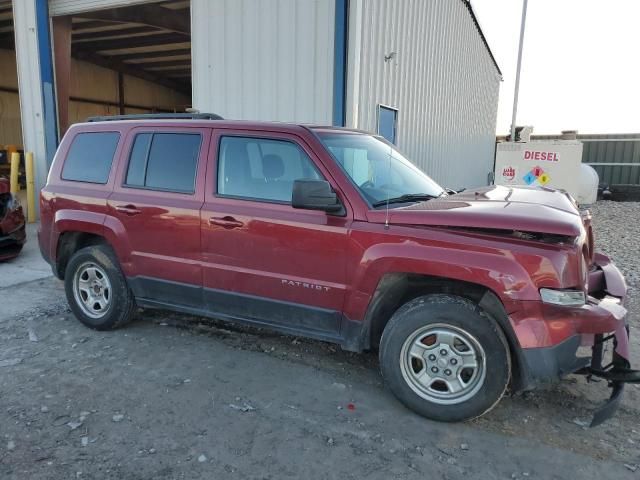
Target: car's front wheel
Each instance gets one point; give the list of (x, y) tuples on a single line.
[(444, 358), (96, 289)]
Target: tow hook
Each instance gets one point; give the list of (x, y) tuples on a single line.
[(617, 374)]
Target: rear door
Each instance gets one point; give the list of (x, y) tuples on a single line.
[(156, 203), (264, 260)]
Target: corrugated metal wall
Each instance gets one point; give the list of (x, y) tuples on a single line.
[(602, 150), (441, 78), (264, 59)]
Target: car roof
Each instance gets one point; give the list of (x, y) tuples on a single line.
[(199, 120)]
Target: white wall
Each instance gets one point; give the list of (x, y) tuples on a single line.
[(264, 59), (30, 86), (441, 79)]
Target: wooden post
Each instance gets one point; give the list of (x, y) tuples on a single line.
[(62, 68), (121, 102)]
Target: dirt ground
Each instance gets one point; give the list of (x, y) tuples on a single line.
[(173, 397)]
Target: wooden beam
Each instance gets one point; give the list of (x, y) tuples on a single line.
[(108, 103), (129, 69), (121, 102), (79, 26), (61, 32), (167, 64), (106, 34), (152, 15), (178, 74), (154, 54), (8, 41), (9, 90), (134, 42)]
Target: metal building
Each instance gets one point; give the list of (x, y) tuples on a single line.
[(419, 72)]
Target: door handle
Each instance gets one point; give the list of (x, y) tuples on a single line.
[(226, 222), (128, 209)]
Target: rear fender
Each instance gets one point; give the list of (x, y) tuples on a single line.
[(93, 223), (73, 221)]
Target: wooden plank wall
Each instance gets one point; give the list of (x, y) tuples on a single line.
[(93, 91)]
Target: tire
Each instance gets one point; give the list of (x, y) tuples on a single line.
[(93, 276), (448, 334)]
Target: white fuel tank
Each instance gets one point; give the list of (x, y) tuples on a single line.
[(588, 189)]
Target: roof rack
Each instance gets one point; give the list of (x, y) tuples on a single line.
[(157, 116)]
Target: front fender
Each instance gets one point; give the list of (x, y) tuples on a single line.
[(497, 272)]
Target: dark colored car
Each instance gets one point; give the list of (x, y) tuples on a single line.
[(12, 223), (331, 233)]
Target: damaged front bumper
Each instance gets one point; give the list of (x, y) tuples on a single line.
[(599, 324), (12, 242), (617, 370)]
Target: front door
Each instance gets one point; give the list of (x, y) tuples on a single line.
[(156, 205), (264, 260)]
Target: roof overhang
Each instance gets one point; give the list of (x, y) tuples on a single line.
[(467, 3)]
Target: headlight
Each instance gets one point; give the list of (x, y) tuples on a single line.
[(566, 298)]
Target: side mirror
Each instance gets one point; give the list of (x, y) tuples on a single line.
[(314, 195)]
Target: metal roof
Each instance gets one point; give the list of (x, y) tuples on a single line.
[(484, 40)]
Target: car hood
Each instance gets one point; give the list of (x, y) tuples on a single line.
[(527, 209)]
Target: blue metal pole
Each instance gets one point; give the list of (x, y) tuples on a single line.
[(340, 63), (46, 75)]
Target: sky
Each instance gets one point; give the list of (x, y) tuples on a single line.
[(580, 63)]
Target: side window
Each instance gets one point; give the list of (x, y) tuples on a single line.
[(164, 161), (260, 168), (90, 157)]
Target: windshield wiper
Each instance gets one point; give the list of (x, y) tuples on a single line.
[(409, 197)]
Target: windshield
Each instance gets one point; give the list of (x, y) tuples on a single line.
[(379, 170)]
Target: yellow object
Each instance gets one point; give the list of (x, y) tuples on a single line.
[(31, 188), (543, 179), (15, 167)]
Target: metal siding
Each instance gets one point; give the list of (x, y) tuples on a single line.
[(610, 148), (66, 7), (442, 81), (264, 59), (614, 151)]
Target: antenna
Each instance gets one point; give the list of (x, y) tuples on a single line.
[(386, 216)]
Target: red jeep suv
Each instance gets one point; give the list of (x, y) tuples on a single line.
[(331, 233)]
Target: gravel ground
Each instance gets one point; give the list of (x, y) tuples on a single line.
[(617, 234), (173, 396)]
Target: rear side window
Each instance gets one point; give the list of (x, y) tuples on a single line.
[(164, 161), (90, 157)]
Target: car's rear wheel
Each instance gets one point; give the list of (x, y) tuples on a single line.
[(444, 358), (96, 289)]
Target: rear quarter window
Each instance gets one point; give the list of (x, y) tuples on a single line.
[(90, 157), (164, 161)]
